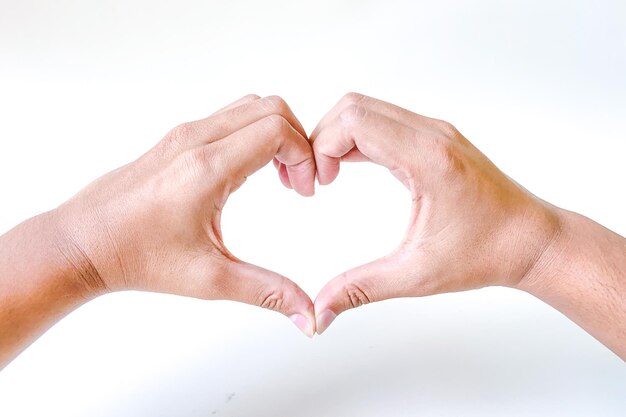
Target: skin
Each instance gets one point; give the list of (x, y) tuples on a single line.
[(154, 225), (471, 225)]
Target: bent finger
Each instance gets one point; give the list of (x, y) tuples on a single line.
[(387, 109), (231, 119), (378, 138), (247, 150), (376, 281), (257, 286)]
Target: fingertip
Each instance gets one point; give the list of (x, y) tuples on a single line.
[(326, 307), (302, 177), (300, 309), (306, 326), (267, 289), (327, 169), (307, 190), (323, 320), (284, 176), (326, 178)]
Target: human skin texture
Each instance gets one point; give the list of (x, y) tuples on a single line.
[(471, 225), (154, 225)]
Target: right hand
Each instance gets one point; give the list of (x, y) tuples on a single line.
[(471, 225)]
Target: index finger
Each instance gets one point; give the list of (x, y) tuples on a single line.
[(390, 110), (360, 131), (247, 150)]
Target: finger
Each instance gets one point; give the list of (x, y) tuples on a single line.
[(247, 150), (354, 155), (231, 279), (378, 138), (376, 281), (253, 285), (231, 119), (390, 110), (243, 100), (284, 175), (330, 166)]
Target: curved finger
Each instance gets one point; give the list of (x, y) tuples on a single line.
[(354, 155), (281, 169), (378, 138), (229, 120), (376, 281), (387, 109), (284, 175), (254, 285), (234, 280), (247, 150)]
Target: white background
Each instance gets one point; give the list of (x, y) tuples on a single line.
[(539, 86)]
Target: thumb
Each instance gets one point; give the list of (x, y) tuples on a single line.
[(254, 285), (376, 281)]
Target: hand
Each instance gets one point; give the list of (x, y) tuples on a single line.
[(155, 224), (471, 225)]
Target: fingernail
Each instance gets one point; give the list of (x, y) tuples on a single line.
[(324, 319), (302, 323)]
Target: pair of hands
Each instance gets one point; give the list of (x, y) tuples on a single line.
[(154, 224)]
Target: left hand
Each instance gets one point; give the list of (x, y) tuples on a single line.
[(154, 224)]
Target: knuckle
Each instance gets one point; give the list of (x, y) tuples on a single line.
[(353, 98), (306, 165), (276, 104), (275, 123), (321, 148), (273, 300), (251, 97), (181, 133), (352, 114), (448, 130), (356, 295)]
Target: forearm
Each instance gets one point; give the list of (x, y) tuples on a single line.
[(39, 282), (583, 275)]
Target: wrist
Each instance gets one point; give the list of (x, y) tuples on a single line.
[(552, 253), (80, 272), (581, 274), (41, 280), (532, 234)]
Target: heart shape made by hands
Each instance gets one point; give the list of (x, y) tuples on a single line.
[(466, 217), (361, 217)]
